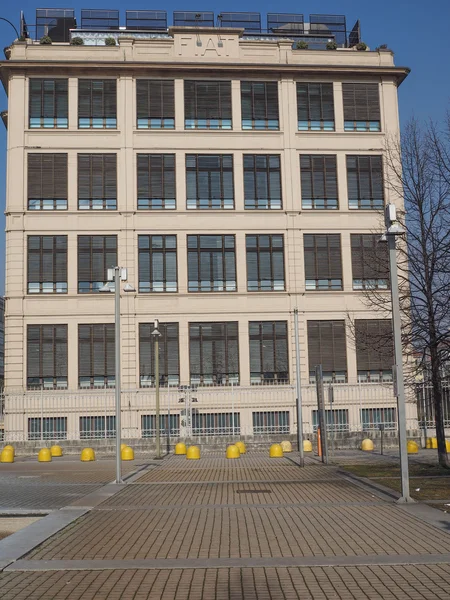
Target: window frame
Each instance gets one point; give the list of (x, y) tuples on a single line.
[(223, 377), (59, 350), (165, 120), (90, 166), (169, 352), (108, 351), (308, 175), (266, 173), (199, 203), (323, 269), (58, 249), (44, 171), (202, 100), (223, 285), (104, 118), (320, 124), (261, 337), (362, 265), (331, 351), (95, 285), (164, 250), (361, 114), (274, 284), (250, 108), (60, 103), (373, 202), (145, 174)]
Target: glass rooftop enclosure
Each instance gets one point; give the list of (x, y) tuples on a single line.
[(94, 25)]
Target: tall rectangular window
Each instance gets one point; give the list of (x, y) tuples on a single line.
[(207, 104), (374, 349), (211, 263), (47, 181), (365, 182), (48, 104), (259, 105), (155, 103), (262, 181), (47, 264), (315, 107), (157, 263), (271, 421), (326, 347), (169, 361), (46, 357), (156, 181), (97, 181), (265, 262), (97, 427), (209, 181), (336, 419), (319, 181), (323, 264), (96, 254), (96, 358), (214, 353), (97, 104), (47, 428), (370, 262), (361, 107), (269, 361)]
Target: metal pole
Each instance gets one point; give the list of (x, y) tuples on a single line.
[(117, 374), (321, 413), (232, 410), (398, 370), (298, 384), (158, 437), (168, 416)]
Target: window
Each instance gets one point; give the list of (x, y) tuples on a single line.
[(47, 264), (319, 182), (97, 427), (265, 263), (46, 357), (148, 425), (209, 181), (259, 104), (47, 181), (214, 353), (96, 359), (216, 423), (156, 181), (48, 104), (157, 263), (97, 181), (207, 104), (169, 362), (96, 254), (268, 352), (271, 421), (361, 107), (365, 182), (47, 428), (372, 418), (211, 263), (370, 262), (374, 349), (315, 107), (97, 104), (155, 100), (336, 420), (262, 181), (326, 347), (323, 265)]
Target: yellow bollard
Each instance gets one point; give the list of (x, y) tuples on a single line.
[(9, 447), (241, 446), (447, 445), (7, 456), (122, 446), (127, 453), (193, 453), (56, 451), (276, 451), (45, 455), (87, 454), (286, 445), (434, 443), (180, 448), (307, 446), (233, 451), (367, 445), (412, 447), (428, 444)]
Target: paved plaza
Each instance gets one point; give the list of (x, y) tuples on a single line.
[(229, 529)]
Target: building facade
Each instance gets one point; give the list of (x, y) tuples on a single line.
[(236, 178)]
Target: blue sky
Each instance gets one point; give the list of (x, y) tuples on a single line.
[(416, 32)]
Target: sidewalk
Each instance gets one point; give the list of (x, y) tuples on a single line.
[(245, 529)]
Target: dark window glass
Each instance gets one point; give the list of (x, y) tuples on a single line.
[(315, 106), (361, 107), (97, 181), (209, 181), (214, 353), (156, 181), (96, 358), (262, 181), (46, 357), (271, 421), (48, 104), (370, 263), (259, 105), (47, 264), (97, 104), (211, 263), (155, 104), (169, 362), (365, 182), (96, 254), (374, 349), (269, 361), (265, 263), (47, 428), (47, 181), (97, 427), (327, 347), (323, 264), (319, 182), (157, 263), (207, 104)]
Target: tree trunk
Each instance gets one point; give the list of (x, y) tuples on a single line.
[(438, 413)]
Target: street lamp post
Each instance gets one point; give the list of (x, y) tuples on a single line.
[(156, 334), (117, 274), (393, 229)]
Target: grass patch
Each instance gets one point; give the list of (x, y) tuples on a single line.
[(386, 470)]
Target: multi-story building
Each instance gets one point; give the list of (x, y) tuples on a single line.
[(237, 179)]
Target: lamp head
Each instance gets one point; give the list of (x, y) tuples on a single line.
[(129, 288)]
